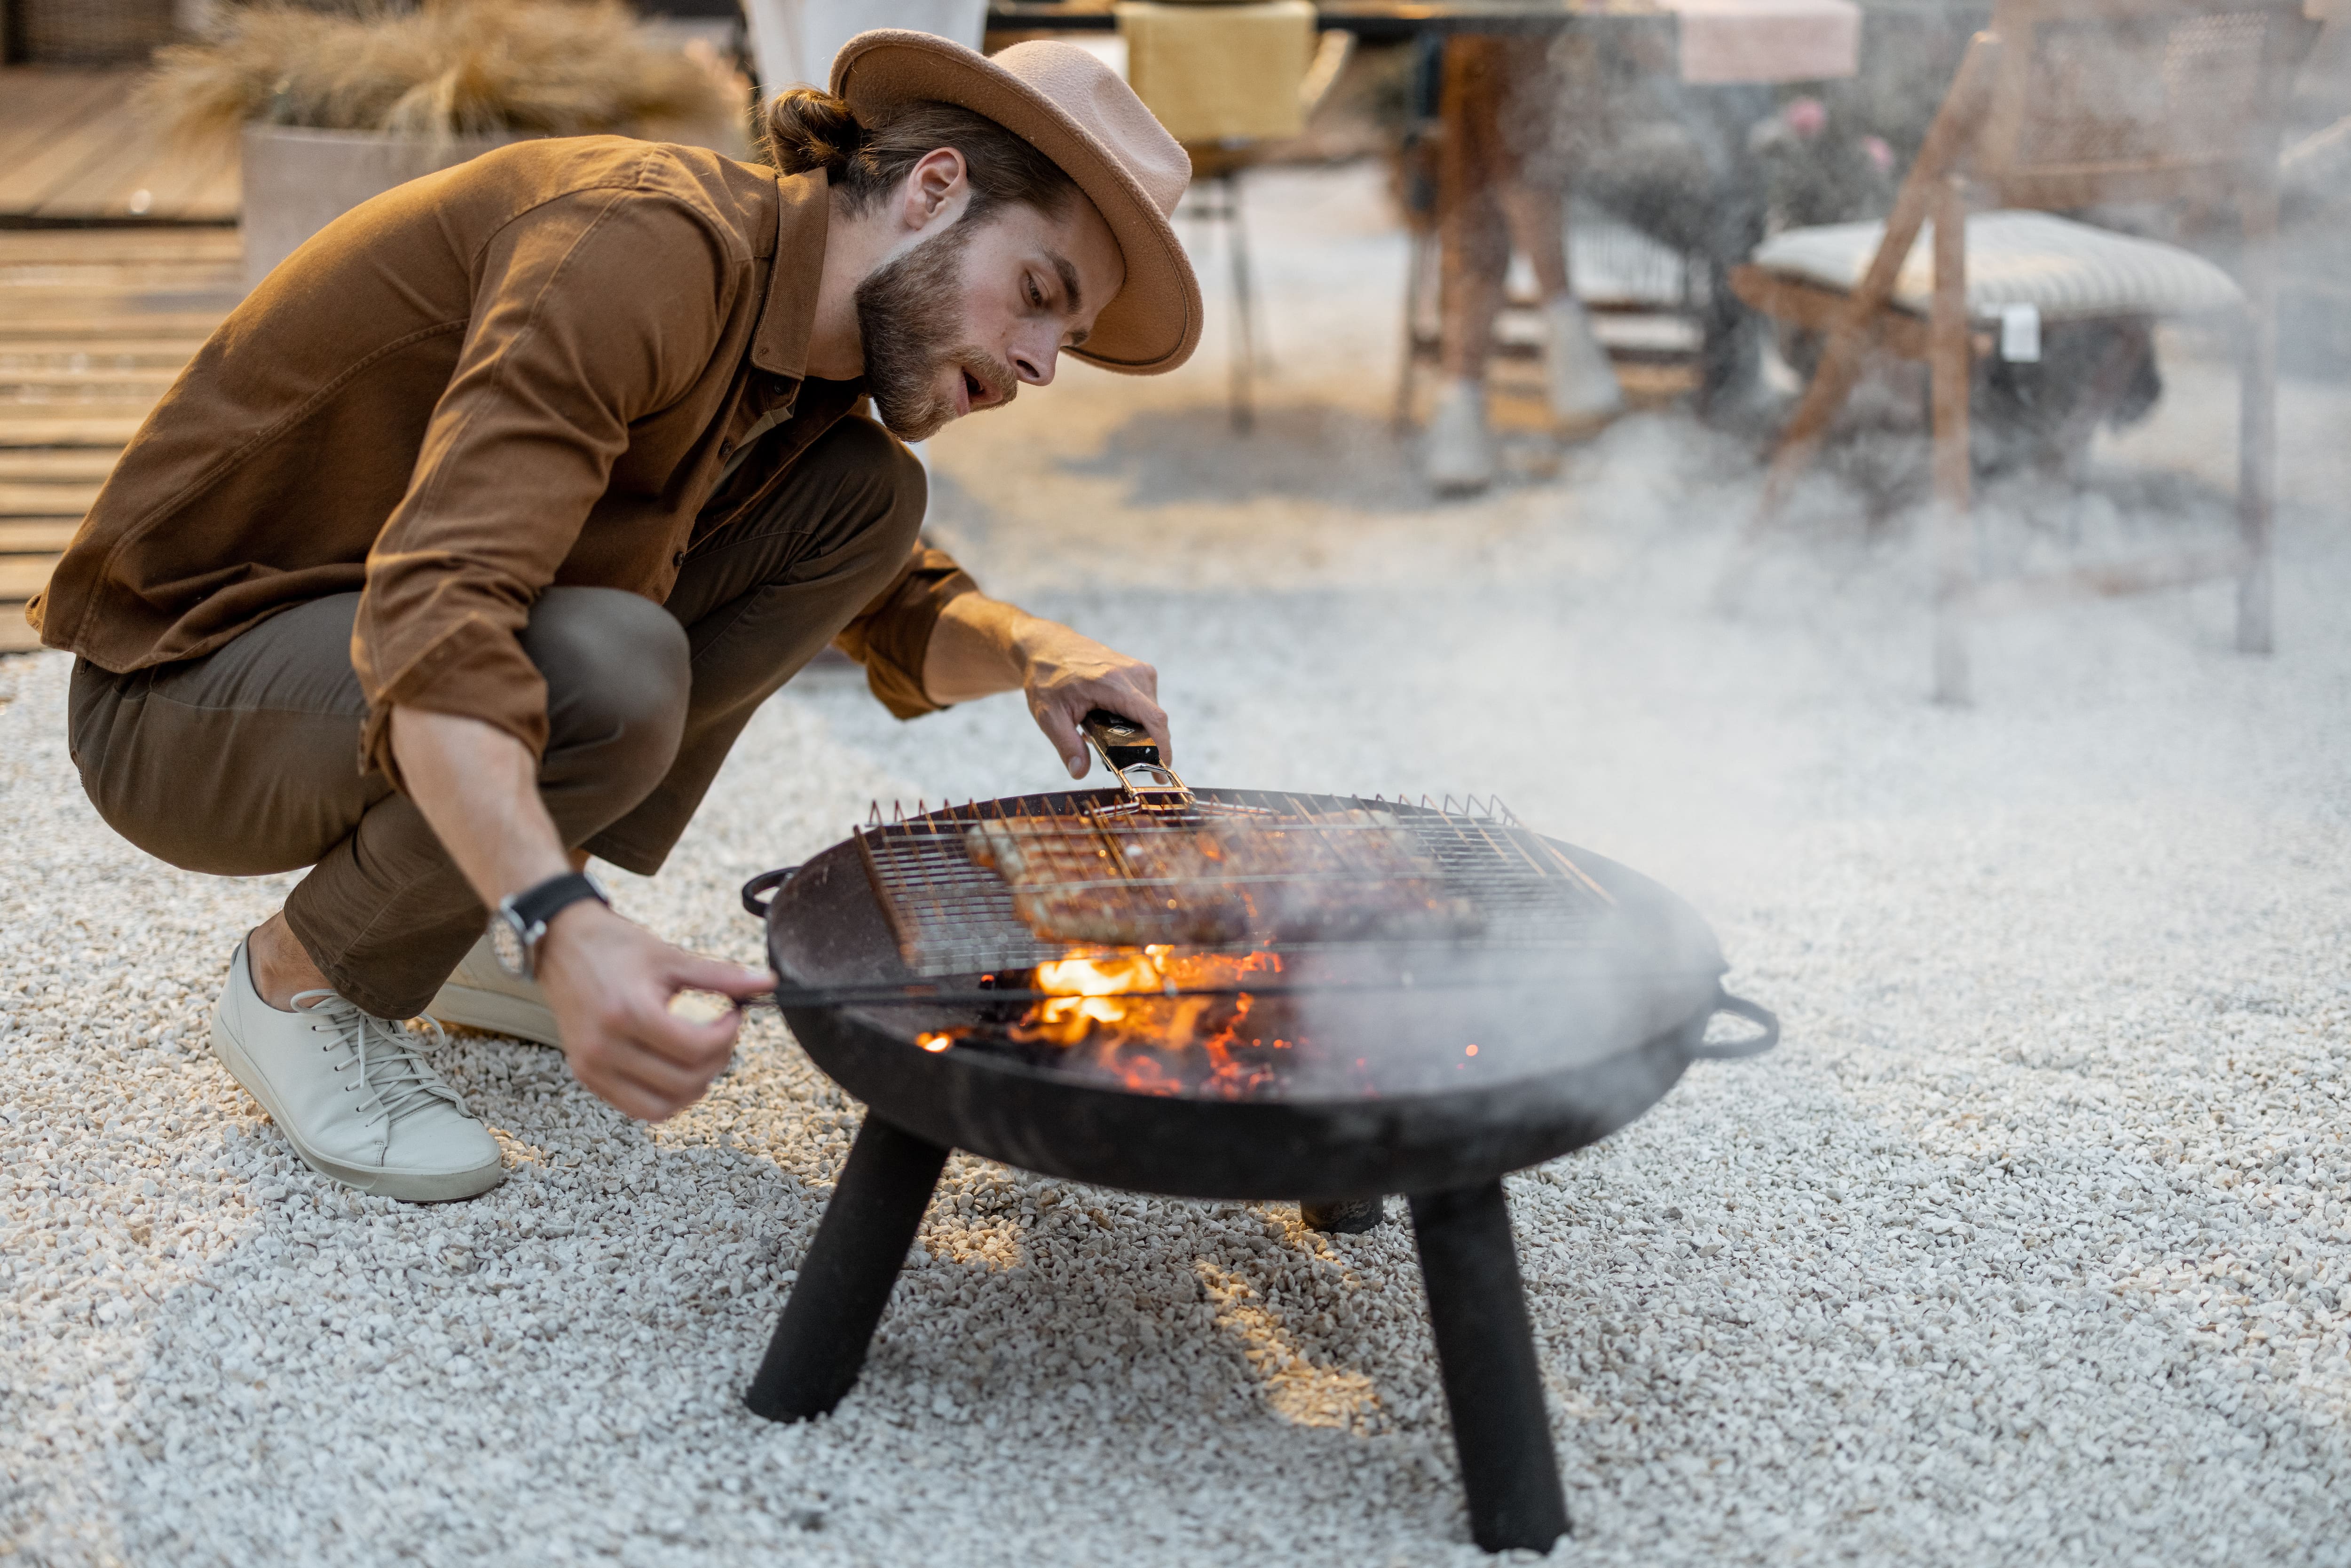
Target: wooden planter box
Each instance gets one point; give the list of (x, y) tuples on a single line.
[(297, 180)]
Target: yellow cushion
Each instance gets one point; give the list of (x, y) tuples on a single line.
[(2064, 268), (1220, 73)]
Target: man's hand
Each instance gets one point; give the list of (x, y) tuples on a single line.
[(610, 982), (982, 645), (1065, 675)]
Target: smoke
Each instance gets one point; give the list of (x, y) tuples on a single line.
[(1320, 622)]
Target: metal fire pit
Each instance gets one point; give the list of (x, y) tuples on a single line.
[(1578, 1005)]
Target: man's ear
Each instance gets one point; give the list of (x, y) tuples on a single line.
[(936, 190)]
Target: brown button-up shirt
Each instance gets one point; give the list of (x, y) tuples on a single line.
[(528, 370)]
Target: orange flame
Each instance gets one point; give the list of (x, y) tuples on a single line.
[(1115, 1005)]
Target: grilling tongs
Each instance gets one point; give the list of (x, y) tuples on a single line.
[(1127, 750)]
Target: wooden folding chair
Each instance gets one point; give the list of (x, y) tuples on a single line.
[(2060, 105)]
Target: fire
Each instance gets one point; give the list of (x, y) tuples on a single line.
[(1115, 1005)]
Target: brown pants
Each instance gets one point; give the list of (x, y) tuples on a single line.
[(243, 762), (1501, 179)]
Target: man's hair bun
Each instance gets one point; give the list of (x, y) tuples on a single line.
[(807, 130)]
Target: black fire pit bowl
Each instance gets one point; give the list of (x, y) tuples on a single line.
[(1567, 1055)]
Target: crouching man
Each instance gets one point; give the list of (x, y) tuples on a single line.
[(467, 545)]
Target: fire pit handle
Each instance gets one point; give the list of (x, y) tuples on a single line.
[(767, 881), (1732, 1049)]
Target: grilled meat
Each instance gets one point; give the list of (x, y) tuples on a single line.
[(1192, 881)]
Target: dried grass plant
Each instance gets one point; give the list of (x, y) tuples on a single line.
[(449, 68)]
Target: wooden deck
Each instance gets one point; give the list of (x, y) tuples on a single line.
[(116, 261), (73, 150), (94, 325)]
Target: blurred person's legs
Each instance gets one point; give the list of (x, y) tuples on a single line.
[(1503, 184), (1678, 165)]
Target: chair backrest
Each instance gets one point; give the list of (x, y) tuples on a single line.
[(2132, 100), (1214, 74), (793, 41)]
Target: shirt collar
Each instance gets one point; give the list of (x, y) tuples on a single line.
[(803, 210)]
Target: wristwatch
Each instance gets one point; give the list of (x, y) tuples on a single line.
[(521, 918)]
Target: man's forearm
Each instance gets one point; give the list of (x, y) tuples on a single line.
[(478, 788), (981, 645), (975, 648)]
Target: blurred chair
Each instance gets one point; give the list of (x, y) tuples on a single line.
[(793, 41), (1229, 82), (2062, 104)]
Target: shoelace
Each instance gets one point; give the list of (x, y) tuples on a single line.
[(391, 1072)]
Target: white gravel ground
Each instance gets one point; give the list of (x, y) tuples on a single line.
[(2030, 1245)]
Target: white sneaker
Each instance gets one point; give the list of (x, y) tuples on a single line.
[(1458, 458), (1583, 383), (480, 995), (351, 1095)]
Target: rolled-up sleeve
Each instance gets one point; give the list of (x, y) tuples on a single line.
[(892, 635), (590, 312)]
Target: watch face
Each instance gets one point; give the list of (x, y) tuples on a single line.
[(507, 943)]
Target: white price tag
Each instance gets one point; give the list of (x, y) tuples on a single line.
[(2019, 333)]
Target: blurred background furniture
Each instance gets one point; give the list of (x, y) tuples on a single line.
[(1709, 38), (2063, 104), (793, 41), (1229, 81), (1718, 58)]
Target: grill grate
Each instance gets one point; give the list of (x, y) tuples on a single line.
[(954, 917)]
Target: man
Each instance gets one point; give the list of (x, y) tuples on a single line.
[(469, 543)]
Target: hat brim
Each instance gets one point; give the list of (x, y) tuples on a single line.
[(1153, 324)]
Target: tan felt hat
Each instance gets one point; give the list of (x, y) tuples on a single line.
[(1075, 110)]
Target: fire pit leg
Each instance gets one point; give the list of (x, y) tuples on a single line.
[(1486, 1350), (1343, 1216), (819, 1342)]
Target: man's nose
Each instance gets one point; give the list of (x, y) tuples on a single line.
[(1034, 360)]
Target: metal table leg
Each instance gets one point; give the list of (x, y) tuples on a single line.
[(1486, 1350), (821, 1339)]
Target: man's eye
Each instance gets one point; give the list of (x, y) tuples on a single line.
[(1036, 296)]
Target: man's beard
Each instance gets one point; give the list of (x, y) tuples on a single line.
[(909, 314)]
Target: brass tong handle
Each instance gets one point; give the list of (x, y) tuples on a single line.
[(1127, 750), (1122, 742)]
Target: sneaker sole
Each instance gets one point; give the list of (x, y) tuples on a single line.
[(494, 1013), (412, 1187)]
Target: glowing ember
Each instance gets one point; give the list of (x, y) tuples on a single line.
[(1114, 1008), (936, 1039)]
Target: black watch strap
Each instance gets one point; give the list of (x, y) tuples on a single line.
[(521, 919), (535, 906)]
